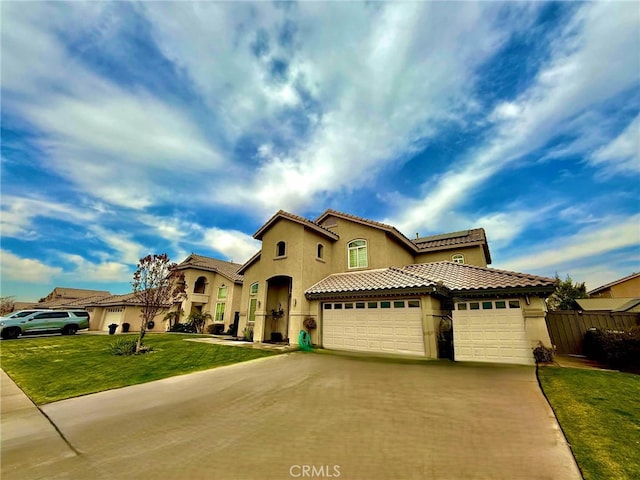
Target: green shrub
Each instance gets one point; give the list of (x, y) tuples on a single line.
[(247, 333), (616, 348), (124, 346), (543, 354), (215, 328), (183, 328)]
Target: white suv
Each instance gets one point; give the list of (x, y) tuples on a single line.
[(66, 322)]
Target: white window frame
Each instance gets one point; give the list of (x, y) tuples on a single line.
[(357, 248), (223, 288), (220, 318), (457, 258)]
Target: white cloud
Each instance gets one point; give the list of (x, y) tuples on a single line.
[(237, 246), (105, 139), (18, 214), (588, 242), (377, 97), (27, 270), (87, 271), (594, 60), (127, 250), (622, 153)]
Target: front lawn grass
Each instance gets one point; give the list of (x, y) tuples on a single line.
[(600, 414), (58, 367)]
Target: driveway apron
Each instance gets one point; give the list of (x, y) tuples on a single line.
[(324, 416)]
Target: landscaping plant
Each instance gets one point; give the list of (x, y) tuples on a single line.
[(157, 284)]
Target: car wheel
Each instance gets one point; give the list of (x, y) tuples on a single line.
[(10, 333), (70, 330)]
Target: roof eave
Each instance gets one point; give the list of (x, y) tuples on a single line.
[(542, 291), (382, 292)]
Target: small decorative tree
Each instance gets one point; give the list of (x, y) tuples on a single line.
[(199, 320), (174, 317), (156, 283), (7, 304), (276, 315)]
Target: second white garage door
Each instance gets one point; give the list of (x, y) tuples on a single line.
[(112, 315), (384, 326), (491, 331)]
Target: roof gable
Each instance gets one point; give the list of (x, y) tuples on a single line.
[(224, 268), (282, 215), (390, 229)]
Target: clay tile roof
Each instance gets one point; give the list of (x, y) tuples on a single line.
[(369, 281), (227, 269), (72, 303), (389, 228), (295, 218), (475, 236), (127, 298), (460, 278), (615, 282)]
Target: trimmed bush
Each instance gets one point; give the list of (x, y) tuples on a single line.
[(183, 328), (543, 354), (124, 346), (616, 348), (215, 328)]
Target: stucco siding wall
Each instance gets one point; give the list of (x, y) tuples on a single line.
[(630, 288), (472, 256)]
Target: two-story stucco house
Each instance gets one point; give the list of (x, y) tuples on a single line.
[(370, 288), (211, 286)]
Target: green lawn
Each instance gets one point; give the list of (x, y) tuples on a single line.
[(600, 415), (54, 368)]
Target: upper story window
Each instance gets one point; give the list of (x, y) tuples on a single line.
[(201, 284), (457, 258), (320, 251), (222, 292), (254, 289), (281, 249), (357, 250)]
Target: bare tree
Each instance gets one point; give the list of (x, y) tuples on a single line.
[(156, 284), (7, 304)]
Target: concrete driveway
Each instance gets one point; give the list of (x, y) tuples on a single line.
[(313, 416)]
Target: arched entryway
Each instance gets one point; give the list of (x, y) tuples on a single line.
[(276, 327)]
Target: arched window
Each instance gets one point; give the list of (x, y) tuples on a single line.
[(457, 258), (201, 284), (320, 253), (357, 254), (281, 249)]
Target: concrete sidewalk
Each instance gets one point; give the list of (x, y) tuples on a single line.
[(28, 437)]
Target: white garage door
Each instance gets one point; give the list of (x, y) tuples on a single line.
[(113, 315), (384, 326), (491, 331)]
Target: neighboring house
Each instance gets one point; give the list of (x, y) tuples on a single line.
[(211, 286), (609, 304), (370, 288), (62, 297), (59, 294), (119, 309), (627, 287)]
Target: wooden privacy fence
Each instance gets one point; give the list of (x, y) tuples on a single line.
[(567, 327)]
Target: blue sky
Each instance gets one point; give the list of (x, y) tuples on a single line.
[(135, 128)]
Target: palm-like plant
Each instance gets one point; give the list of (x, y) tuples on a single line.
[(199, 320)]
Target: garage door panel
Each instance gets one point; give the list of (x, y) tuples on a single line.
[(490, 336), (375, 330)]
